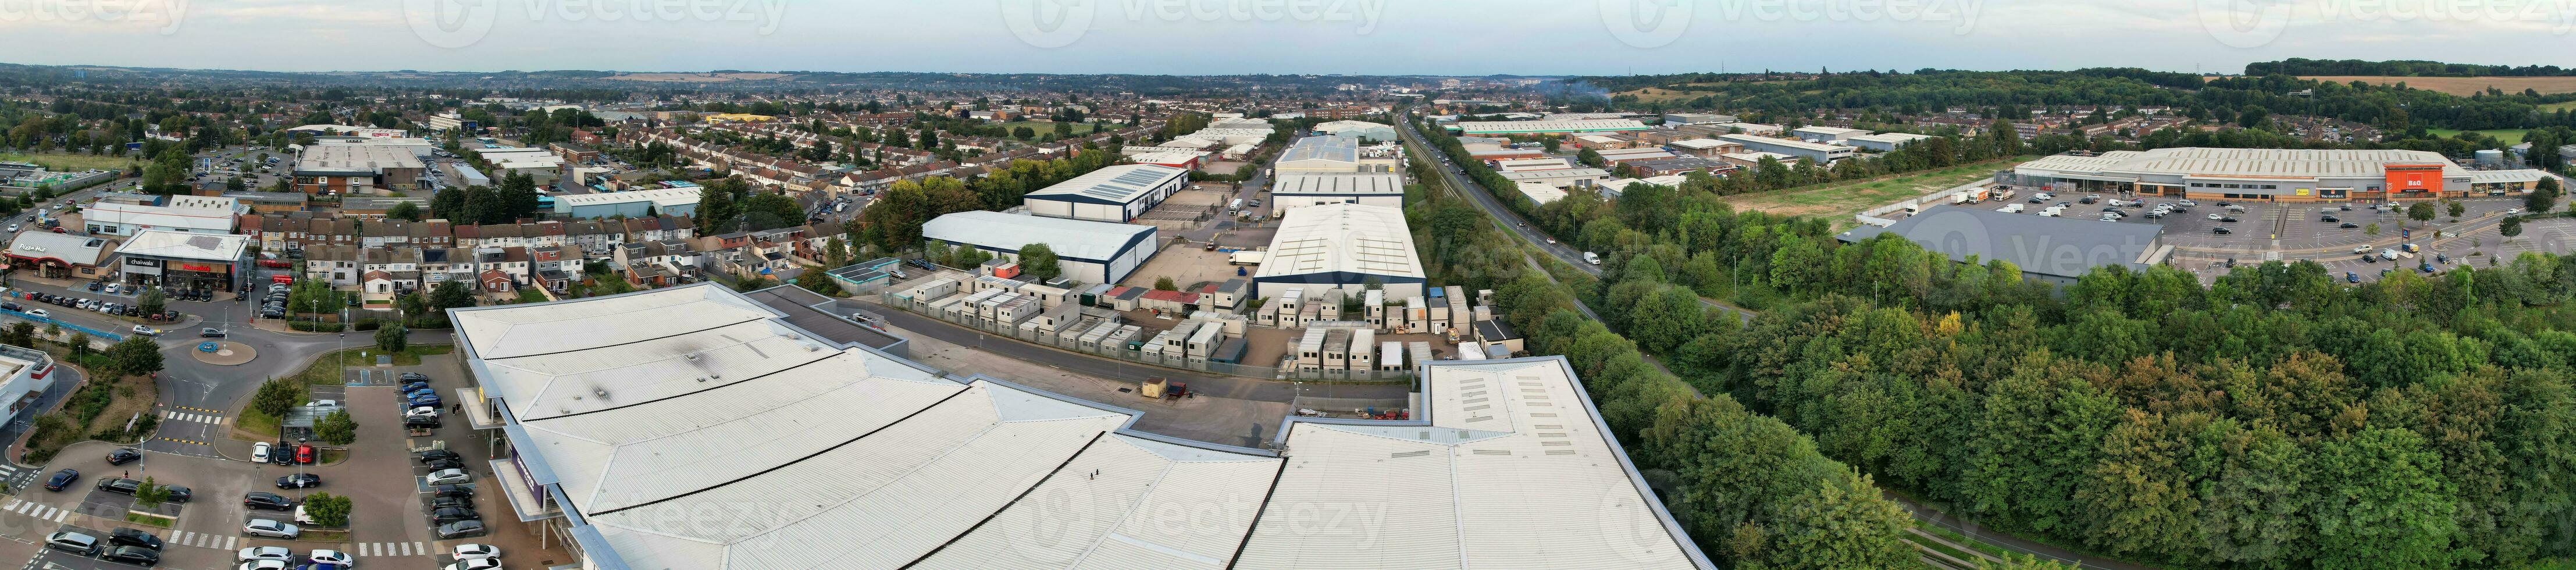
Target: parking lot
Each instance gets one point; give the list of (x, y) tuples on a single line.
[(2291, 231)]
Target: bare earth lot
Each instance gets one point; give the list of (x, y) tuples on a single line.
[(2465, 86)]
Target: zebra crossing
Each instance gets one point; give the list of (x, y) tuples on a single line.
[(208, 419), (41, 512), (203, 540), (371, 549)]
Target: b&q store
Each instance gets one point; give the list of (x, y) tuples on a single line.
[(2285, 175)]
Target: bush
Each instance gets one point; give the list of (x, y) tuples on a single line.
[(310, 326), (337, 428), (328, 510), (368, 324), (276, 396)]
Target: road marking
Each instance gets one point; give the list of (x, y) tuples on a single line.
[(229, 541), (186, 441)]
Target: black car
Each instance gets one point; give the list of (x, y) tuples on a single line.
[(93, 285), (460, 529), (2221, 230), (436, 464), (452, 491), (264, 500), (134, 555), (178, 494), (451, 503), (11, 306), (449, 515), (119, 485), (2329, 219), (122, 456), (437, 454), (413, 377), (2349, 225), (63, 478), (299, 481), (134, 537), (2227, 220)]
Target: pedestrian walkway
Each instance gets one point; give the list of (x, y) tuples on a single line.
[(209, 419), (373, 549), (30, 508), (203, 540)]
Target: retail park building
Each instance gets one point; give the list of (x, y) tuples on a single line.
[(2287, 175)]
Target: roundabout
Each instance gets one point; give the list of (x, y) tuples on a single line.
[(223, 353)]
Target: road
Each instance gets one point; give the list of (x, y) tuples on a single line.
[(1519, 227)]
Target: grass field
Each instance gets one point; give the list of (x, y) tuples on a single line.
[(1044, 127), (60, 162), (2559, 106), (2465, 86), (1838, 201), (2509, 136)]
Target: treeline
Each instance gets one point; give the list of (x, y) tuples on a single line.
[(2400, 68), (1750, 490)]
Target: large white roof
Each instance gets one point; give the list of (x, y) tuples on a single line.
[(1118, 184), (219, 248), (2258, 163), (1356, 239), (1071, 239), (213, 219), (803, 455), (1342, 183)]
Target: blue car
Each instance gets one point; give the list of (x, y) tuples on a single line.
[(2350, 277), (414, 387), (420, 393), (426, 402)]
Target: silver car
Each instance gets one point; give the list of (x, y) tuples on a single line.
[(270, 528)]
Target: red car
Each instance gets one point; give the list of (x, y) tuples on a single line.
[(278, 263), (304, 454)]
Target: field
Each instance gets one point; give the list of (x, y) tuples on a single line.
[(1838, 201), (61, 162), (1044, 127), (2509, 136), (2570, 105), (697, 77), (2465, 86)]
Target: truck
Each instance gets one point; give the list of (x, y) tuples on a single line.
[(2053, 211), (1237, 206), (1592, 258), (2003, 193), (1960, 198), (2010, 209)]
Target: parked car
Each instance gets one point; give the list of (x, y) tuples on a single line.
[(120, 485), (413, 377), (272, 529), (72, 542), (263, 500), (135, 555), (449, 515), (2329, 219), (63, 478), (134, 537), (451, 491), (265, 553), (444, 463), (2227, 220), (2349, 225), (343, 559), (2221, 230), (450, 476), (259, 452), (426, 402), (463, 529), (265, 565), (451, 503), (179, 494), (299, 481), (122, 456), (415, 387), (146, 331), (304, 454), (210, 332), (477, 551)]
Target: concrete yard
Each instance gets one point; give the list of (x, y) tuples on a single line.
[(1186, 265)]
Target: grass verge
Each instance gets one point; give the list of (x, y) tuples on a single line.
[(67, 162), (1839, 200), (150, 519), (2509, 136)]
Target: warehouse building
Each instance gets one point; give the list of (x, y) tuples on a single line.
[(1181, 160), (1827, 134), (2256, 174), (1116, 193), (1295, 189), (1342, 246), (1320, 154), (1506, 128), (1821, 154), (1090, 251), (1540, 193), (1358, 129), (199, 214), (1696, 118), (2052, 249), (1560, 178), (353, 169), (620, 415), (1885, 142), (640, 203)]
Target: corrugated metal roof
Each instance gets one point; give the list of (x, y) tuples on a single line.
[(1355, 238)]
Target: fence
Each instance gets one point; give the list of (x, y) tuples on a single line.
[(94, 334), (1121, 351)]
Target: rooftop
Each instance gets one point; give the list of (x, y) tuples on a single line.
[(1083, 240), (1326, 148), (353, 159), (2242, 162), (1342, 238), (185, 245), (1353, 183), (638, 409), (1573, 126), (1115, 184)]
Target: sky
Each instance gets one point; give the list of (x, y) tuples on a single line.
[(1207, 37)]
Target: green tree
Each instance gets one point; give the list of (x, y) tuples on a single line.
[(276, 396), (392, 338), (450, 295), (405, 211), (770, 210), (1039, 262), (2457, 209), (1165, 284), (2384, 503), (137, 355), (2371, 229), (151, 492), (328, 510), (2420, 212), (337, 428), (817, 280), (2544, 196), (235, 184), (152, 301), (2511, 226)]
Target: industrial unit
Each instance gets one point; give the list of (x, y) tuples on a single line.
[(1813, 152), (632, 203), (1112, 194), (2256, 174), (1293, 190), (1498, 128), (1088, 251), (1344, 246)]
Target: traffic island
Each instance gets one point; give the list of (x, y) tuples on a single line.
[(224, 353)]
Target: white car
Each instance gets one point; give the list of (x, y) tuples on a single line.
[(2215, 216), (266, 553), (450, 477), (264, 565), (2512, 211), (475, 564), (40, 313), (270, 528), (343, 559), (146, 331), (477, 551), (259, 452)]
